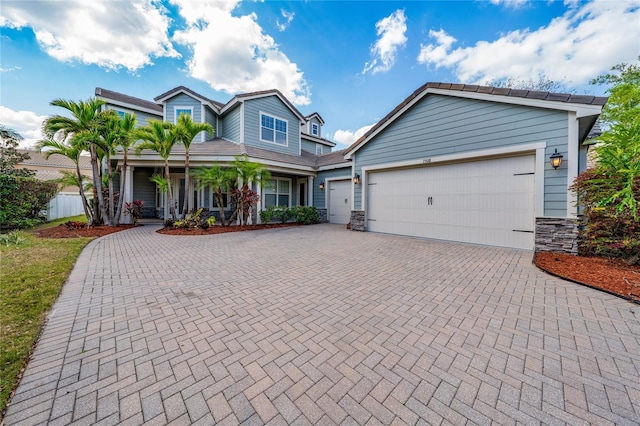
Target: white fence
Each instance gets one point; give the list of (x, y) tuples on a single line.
[(64, 205)]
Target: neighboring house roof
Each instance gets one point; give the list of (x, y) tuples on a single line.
[(584, 105), (181, 89), (125, 100), (317, 139), (262, 94), (314, 114), (58, 161)]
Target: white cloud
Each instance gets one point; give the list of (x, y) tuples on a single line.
[(9, 69), (347, 137), (391, 31), (115, 34), (234, 55), (510, 3), (574, 48), (288, 18), (26, 123)]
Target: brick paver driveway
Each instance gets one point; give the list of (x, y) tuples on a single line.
[(319, 325)]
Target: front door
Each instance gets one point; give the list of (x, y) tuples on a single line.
[(302, 194)]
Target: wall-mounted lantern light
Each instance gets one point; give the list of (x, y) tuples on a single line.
[(356, 179), (556, 159), (321, 186)]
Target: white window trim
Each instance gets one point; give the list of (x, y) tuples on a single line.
[(319, 145), (275, 117), (317, 127), (175, 112), (264, 193)]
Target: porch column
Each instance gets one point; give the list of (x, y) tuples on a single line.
[(310, 191), (259, 205), (128, 193)]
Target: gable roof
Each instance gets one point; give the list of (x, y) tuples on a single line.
[(181, 89), (314, 114), (583, 105), (121, 99), (261, 94)]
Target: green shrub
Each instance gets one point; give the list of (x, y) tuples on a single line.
[(22, 199), (608, 231), (307, 215)]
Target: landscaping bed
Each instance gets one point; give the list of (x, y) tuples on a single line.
[(610, 275), (218, 229), (63, 231)]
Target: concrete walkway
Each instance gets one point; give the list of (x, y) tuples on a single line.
[(319, 325)]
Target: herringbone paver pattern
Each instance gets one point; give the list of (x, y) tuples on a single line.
[(318, 325)]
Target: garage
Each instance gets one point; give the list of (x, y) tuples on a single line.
[(339, 208), (490, 201)]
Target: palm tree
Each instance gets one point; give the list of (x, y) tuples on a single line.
[(188, 130), (220, 180), (127, 126), (83, 125), (72, 151), (160, 137), (246, 172)]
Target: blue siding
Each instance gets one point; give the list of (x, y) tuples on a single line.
[(308, 146), (319, 196), (210, 117), (141, 117), (143, 188), (183, 100), (230, 125), (439, 125), (270, 105)]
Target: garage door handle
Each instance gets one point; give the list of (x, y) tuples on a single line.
[(430, 201), (345, 201)]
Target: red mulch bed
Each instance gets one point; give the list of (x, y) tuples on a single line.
[(62, 231), (611, 275), (218, 229)]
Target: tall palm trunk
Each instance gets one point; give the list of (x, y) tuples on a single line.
[(167, 176), (85, 203), (97, 183), (185, 205), (220, 203), (112, 221), (123, 178)]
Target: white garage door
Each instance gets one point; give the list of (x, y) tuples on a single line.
[(485, 202), (339, 201)]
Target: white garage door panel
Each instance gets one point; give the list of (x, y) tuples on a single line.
[(478, 202), (339, 201)]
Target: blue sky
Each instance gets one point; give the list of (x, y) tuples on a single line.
[(351, 61)]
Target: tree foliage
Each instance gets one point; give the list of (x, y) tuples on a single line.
[(541, 83), (22, 196), (610, 193)]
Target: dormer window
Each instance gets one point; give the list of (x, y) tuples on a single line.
[(315, 129), (181, 111)]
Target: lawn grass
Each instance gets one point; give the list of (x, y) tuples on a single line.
[(32, 275)]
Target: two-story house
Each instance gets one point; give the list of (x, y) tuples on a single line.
[(264, 126), (456, 162)]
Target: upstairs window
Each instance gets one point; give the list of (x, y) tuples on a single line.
[(120, 114), (318, 149), (181, 111), (273, 129), (315, 130)]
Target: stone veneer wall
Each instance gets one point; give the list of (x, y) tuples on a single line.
[(556, 234), (323, 215), (357, 220)]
